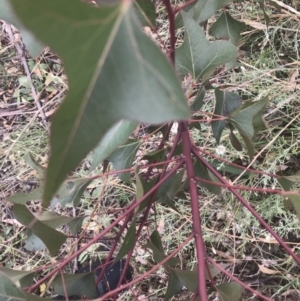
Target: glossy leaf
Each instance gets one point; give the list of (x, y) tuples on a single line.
[(9, 291), (24, 278), (139, 185), (123, 157), (174, 285), (145, 11), (197, 55), (221, 166), (22, 197), (226, 103), (197, 102), (214, 271), (202, 172), (71, 191), (114, 72), (231, 291), (202, 10), (75, 225), (129, 241), (243, 117), (33, 242), (155, 245), (158, 155), (235, 142), (227, 28), (31, 43), (51, 238), (188, 278), (295, 200), (115, 137), (248, 121), (293, 178), (76, 284), (35, 165), (168, 190), (262, 6), (147, 185)]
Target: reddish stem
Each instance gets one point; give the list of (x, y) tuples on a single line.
[(256, 189), (171, 17), (247, 205), (106, 230), (200, 247)]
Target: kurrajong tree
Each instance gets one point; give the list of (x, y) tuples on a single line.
[(118, 77)]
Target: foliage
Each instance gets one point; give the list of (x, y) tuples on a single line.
[(118, 77)]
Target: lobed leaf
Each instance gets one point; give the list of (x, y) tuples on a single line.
[(114, 71), (197, 55)]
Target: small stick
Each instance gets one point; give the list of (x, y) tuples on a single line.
[(26, 68)]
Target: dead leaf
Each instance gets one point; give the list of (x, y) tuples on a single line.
[(228, 257), (265, 270)]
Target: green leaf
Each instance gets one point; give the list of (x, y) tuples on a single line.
[(31, 297), (248, 121), (202, 172), (227, 27), (188, 278), (293, 178), (235, 142), (231, 291), (243, 117), (174, 285), (197, 102), (262, 6), (75, 225), (50, 237), (168, 190), (139, 186), (147, 185), (145, 11), (295, 200), (129, 241), (33, 242), (221, 166), (202, 10), (156, 240), (9, 291), (22, 197), (158, 155), (214, 271), (114, 72), (226, 103), (286, 184), (31, 43), (33, 163), (76, 284), (24, 278), (197, 55), (53, 219), (122, 158), (156, 246), (71, 191), (115, 137)]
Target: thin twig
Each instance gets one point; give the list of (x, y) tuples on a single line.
[(26, 68), (248, 206), (255, 292)]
